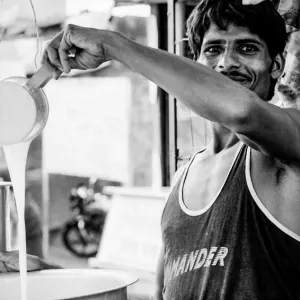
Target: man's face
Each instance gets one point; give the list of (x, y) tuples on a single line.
[(240, 55)]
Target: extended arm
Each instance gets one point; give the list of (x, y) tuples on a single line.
[(263, 126), (211, 95)]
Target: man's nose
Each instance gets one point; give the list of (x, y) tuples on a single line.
[(228, 60)]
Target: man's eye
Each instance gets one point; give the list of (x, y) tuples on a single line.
[(212, 50), (248, 49)]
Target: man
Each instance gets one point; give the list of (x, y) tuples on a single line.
[(231, 227)]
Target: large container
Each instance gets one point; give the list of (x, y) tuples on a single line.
[(79, 284)]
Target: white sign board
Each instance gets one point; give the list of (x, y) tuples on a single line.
[(88, 128), (132, 236)]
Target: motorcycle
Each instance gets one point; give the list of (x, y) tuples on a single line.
[(82, 233)]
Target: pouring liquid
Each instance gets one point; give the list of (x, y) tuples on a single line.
[(16, 157)]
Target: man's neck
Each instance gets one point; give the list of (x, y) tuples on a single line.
[(221, 138)]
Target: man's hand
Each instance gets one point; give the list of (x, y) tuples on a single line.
[(252, 2), (9, 262), (77, 48)]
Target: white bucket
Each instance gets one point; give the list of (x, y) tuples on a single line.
[(83, 284)]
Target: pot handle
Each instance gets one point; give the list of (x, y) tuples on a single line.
[(41, 77)]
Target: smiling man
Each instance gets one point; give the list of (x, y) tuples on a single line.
[(240, 55), (231, 226)]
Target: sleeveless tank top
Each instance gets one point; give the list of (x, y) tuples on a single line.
[(233, 249)]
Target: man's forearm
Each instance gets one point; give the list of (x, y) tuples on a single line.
[(208, 93)]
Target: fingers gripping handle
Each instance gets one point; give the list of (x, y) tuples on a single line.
[(42, 76)]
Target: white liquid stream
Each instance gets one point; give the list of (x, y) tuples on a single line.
[(16, 157)]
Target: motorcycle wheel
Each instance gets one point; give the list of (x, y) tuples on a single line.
[(81, 246)]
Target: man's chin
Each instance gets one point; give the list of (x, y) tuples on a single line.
[(246, 84)]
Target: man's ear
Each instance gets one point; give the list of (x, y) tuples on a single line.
[(277, 67)]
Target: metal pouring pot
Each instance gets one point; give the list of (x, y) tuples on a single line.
[(24, 106)]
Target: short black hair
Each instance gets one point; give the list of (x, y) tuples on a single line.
[(261, 19)]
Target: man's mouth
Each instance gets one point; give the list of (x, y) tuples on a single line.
[(238, 78), (235, 76)]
